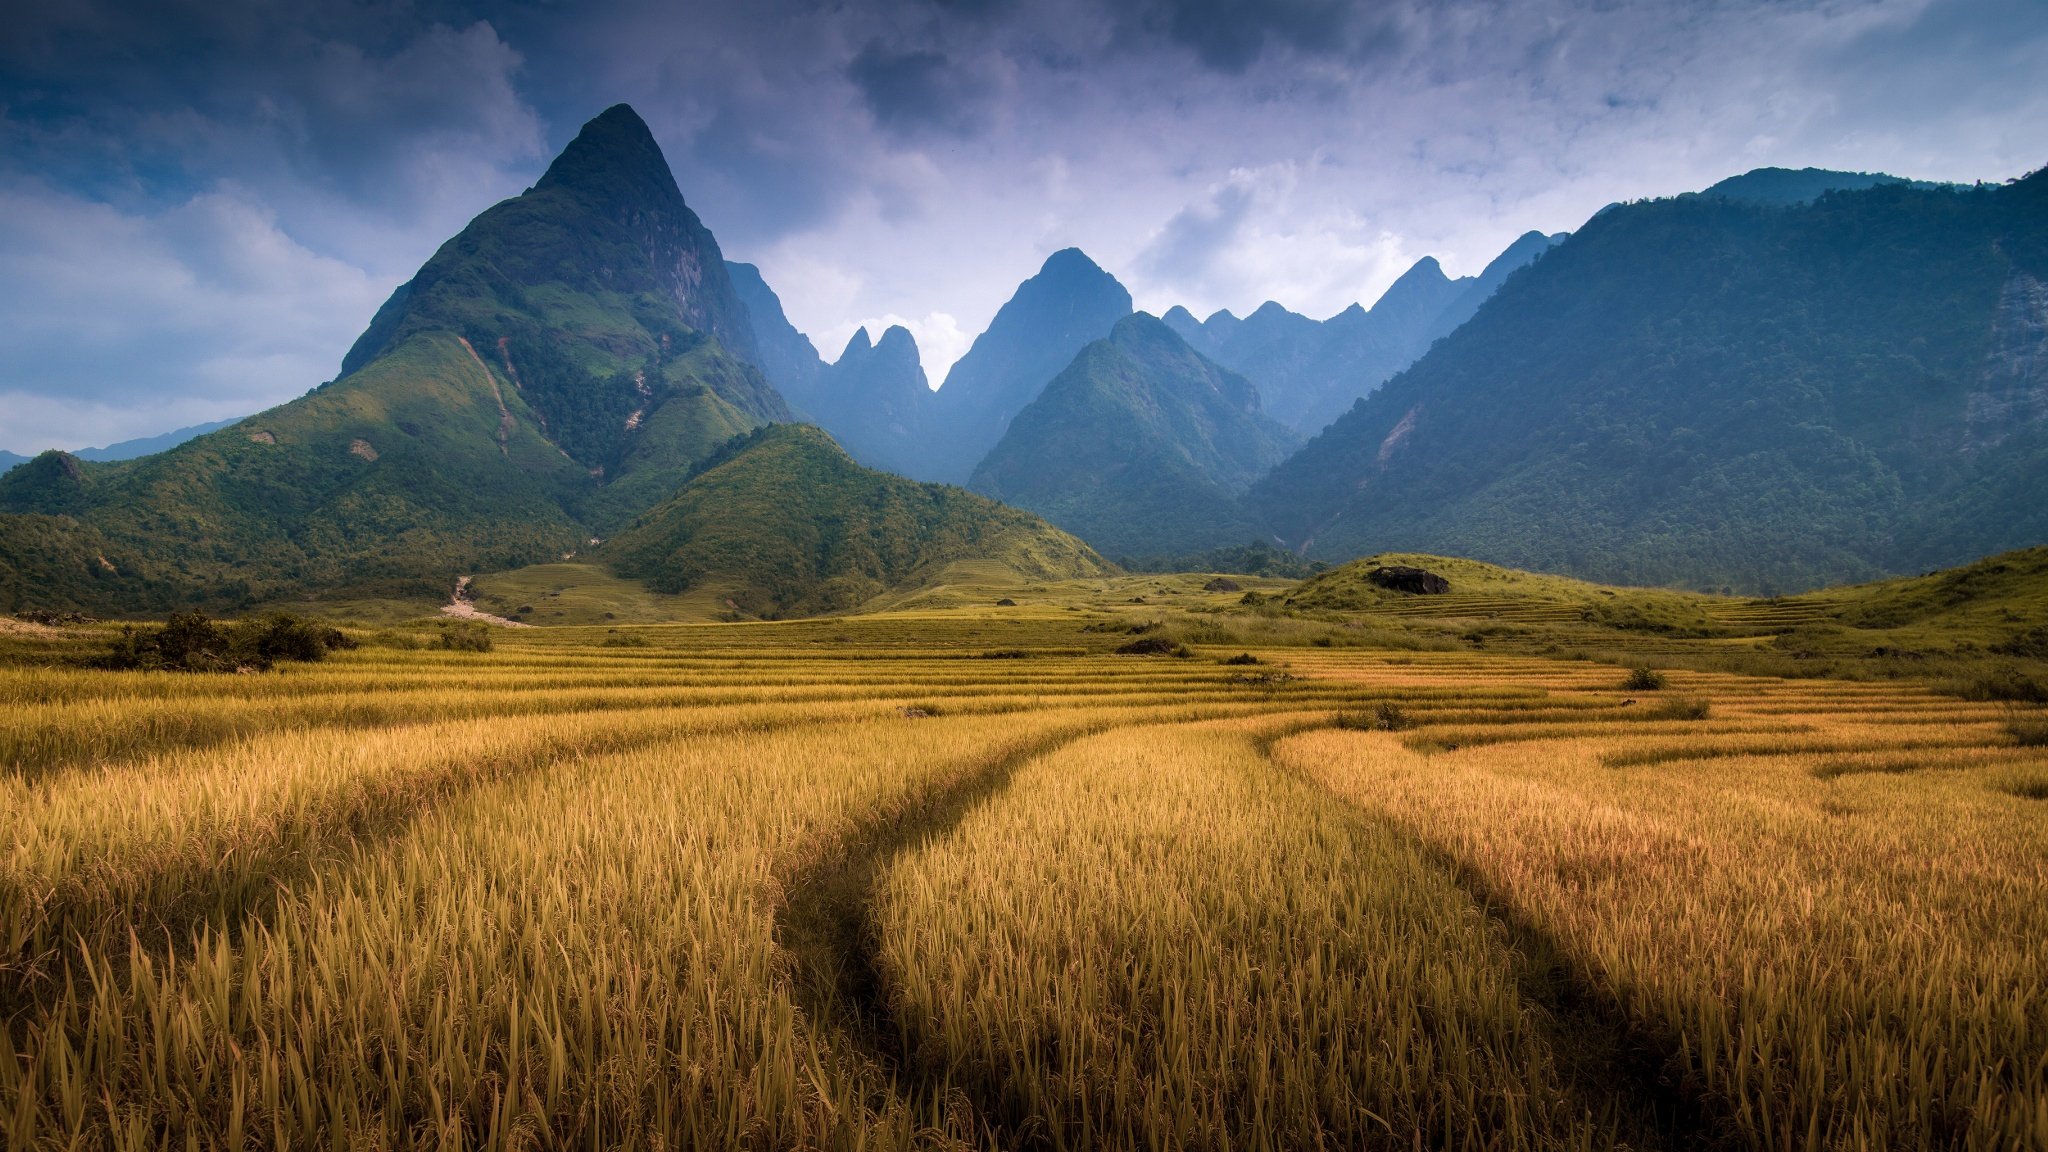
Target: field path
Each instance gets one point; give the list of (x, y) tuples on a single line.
[(826, 919), (462, 607)]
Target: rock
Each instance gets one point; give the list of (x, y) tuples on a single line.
[(1223, 584), (1413, 581), (1006, 602)]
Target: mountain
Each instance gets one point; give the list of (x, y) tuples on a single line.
[(1721, 394), (130, 449), (1787, 187), (875, 401), (555, 369), (1308, 373), (782, 522), (787, 357), (1068, 304), (1140, 446)]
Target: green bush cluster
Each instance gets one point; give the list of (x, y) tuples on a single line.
[(191, 642)]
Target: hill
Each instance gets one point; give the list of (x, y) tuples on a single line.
[(1308, 373), (1719, 394), (1140, 446), (782, 522), (1053, 315), (1786, 187), (553, 370)]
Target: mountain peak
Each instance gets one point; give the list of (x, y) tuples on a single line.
[(858, 345), (1068, 263), (613, 154), (896, 342)]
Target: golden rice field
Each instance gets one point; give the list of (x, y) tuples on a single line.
[(940, 883)]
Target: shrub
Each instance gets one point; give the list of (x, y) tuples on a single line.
[(1381, 717), (1243, 658), (1643, 680), (190, 642), (627, 641), (282, 636), (2028, 731), (467, 638), (1154, 646), (2000, 684), (1681, 708)]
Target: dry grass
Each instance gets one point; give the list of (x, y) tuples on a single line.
[(850, 884)]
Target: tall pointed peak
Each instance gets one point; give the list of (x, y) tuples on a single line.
[(613, 156), (859, 345)]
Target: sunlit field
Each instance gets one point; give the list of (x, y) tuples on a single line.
[(978, 881)]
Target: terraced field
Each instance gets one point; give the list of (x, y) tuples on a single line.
[(969, 880)]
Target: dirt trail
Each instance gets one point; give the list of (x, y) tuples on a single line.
[(462, 607), (505, 422)]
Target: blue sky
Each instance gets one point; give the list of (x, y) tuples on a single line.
[(201, 203)]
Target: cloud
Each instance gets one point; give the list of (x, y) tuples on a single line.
[(114, 325), (918, 91), (1229, 35)]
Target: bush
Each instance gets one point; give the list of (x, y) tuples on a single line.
[(1681, 708), (282, 636), (190, 642), (1643, 680), (1243, 658), (1379, 718), (1154, 646), (2000, 684), (2028, 731), (628, 640), (467, 638)]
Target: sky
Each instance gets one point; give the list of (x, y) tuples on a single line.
[(202, 202)]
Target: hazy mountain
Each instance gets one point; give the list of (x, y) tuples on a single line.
[(1308, 373), (782, 522), (1069, 303), (876, 402), (786, 356), (129, 449), (1714, 392), (554, 369), (1140, 446)]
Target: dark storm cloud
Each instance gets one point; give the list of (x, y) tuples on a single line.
[(1229, 35), (910, 92)]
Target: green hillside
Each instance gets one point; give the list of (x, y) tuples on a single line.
[(554, 370), (1140, 446), (782, 522), (1719, 394)]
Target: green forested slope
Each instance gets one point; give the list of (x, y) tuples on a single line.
[(1141, 446), (1715, 393), (782, 522)]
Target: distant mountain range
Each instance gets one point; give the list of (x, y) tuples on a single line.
[(1309, 373), (129, 449)]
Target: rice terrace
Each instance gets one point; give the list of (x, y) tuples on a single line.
[(965, 876)]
